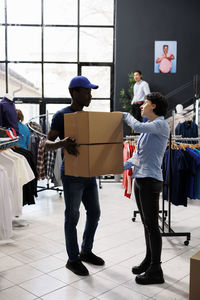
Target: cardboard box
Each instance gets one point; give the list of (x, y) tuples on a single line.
[(94, 127), (100, 136), (95, 160), (194, 277)]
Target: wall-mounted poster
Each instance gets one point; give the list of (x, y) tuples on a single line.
[(165, 57)]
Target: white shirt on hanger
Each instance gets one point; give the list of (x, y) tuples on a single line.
[(5, 206), (9, 164), (24, 171)]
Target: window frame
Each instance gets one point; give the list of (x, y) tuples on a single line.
[(42, 101)]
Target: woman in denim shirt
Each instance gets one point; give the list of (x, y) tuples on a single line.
[(148, 181)]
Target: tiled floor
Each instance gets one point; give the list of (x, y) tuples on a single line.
[(32, 263)]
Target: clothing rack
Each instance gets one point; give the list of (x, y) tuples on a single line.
[(165, 226), (131, 138), (136, 212), (170, 231), (47, 187)]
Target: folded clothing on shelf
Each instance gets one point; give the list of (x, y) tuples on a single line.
[(7, 134)]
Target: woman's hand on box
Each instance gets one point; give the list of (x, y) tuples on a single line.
[(70, 145)]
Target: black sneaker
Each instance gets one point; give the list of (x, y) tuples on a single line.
[(77, 267), (92, 259)]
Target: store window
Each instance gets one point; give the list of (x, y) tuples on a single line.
[(29, 110), (60, 44), (61, 12), (2, 79), (101, 41), (101, 76), (2, 43), (2, 15), (56, 79), (23, 11), (25, 80), (24, 43), (45, 43), (99, 12), (51, 109), (99, 105)]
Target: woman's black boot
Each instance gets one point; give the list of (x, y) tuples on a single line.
[(142, 267), (153, 275)]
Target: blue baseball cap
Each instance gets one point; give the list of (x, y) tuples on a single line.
[(81, 81)]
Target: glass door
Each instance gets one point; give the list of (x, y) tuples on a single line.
[(101, 75)]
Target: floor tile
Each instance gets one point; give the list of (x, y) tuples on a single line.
[(122, 293), (7, 262), (146, 290), (32, 262), (94, 285), (21, 274), (118, 274), (179, 291), (42, 285), (30, 255), (16, 293), (48, 264), (4, 283), (65, 275), (67, 292)]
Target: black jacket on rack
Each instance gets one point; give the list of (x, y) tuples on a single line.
[(29, 189), (187, 129)]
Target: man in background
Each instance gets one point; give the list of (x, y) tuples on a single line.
[(140, 90)]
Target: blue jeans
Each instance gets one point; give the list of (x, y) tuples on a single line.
[(77, 190)]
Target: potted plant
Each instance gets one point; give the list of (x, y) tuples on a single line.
[(127, 96)]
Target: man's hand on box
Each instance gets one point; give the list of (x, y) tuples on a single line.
[(70, 145)]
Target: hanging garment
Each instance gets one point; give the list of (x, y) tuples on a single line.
[(5, 206), (195, 166), (179, 177), (24, 136), (24, 172), (45, 161), (58, 161), (197, 183), (184, 168), (50, 157), (187, 129), (41, 159), (10, 166), (33, 146), (8, 114), (30, 188), (126, 156), (128, 174)]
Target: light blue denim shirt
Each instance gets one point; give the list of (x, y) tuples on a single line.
[(151, 146)]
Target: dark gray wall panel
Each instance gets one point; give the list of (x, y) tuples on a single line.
[(138, 25)]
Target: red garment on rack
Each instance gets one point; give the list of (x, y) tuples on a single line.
[(127, 174)]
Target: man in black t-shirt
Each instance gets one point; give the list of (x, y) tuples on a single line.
[(77, 189)]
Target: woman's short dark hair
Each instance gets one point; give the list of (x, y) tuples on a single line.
[(160, 101)]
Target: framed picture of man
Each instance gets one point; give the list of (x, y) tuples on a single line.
[(165, 57)]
